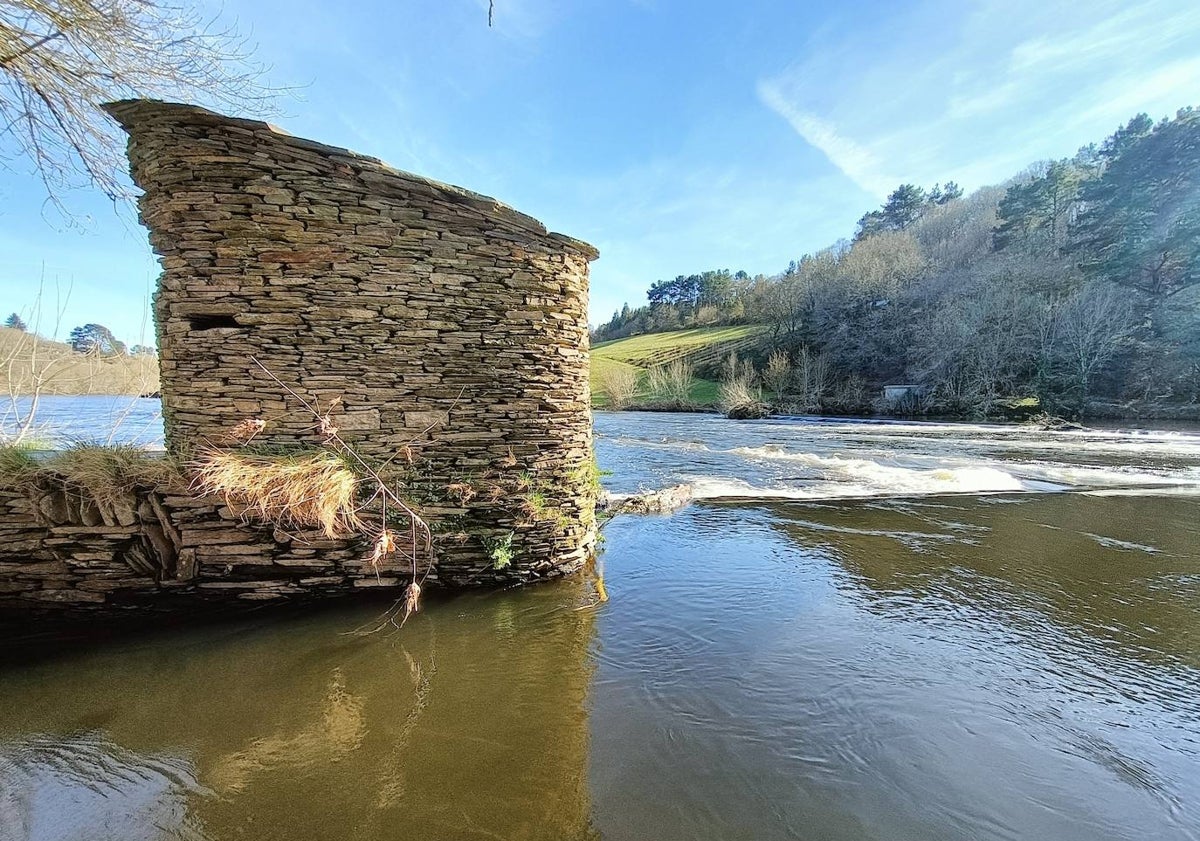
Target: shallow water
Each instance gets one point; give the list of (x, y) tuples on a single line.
[(89, 419), (890, 631)]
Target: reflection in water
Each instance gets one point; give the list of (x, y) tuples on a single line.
[(468, 724), (1008, 666), (338, 731)]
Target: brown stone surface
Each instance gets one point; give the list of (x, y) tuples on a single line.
[(451, 328)]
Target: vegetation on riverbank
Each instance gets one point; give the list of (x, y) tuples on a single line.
[(89, 483), (672, 370), (31, 364), (1076, 283)]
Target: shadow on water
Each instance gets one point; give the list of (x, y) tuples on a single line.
[(469, 724)]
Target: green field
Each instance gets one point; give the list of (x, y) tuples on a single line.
[(652, 349), (700, 347)]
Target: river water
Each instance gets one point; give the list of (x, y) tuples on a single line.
[(860, 630)]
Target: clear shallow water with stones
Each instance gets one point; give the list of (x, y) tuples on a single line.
[(860, 631)]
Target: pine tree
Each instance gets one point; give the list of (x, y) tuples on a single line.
[(1140, 223), (97, 339)]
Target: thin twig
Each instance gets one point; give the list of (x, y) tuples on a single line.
[(420, 535)]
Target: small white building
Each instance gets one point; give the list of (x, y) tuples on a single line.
[(896, 393)]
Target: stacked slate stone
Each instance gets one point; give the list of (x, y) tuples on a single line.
[(448, 331), (61, 547)]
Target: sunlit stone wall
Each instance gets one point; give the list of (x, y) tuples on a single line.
[(451, 328)]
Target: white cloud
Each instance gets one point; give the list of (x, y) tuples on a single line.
[(859, 164), (986, 87)]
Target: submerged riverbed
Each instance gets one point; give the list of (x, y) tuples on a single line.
[(861, 630)]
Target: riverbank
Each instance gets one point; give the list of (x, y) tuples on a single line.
[(35, 365)]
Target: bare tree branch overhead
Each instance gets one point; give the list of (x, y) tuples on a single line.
[(61, 59)]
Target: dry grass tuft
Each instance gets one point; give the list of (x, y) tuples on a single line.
[(112, 472), (305, 489), (385, 545), (247, 430), (464, 492)]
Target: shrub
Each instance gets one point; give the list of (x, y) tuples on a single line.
[(672, 382), (499, 550), (620, 383), (741, 400)]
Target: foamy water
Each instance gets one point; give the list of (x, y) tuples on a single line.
[(817, 458), (792, 457)]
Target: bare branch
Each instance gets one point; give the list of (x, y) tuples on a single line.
[(60, 60)]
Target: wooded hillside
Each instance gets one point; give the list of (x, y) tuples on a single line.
[(1077, 282)]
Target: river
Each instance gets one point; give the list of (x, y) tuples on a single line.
[(860, 630)]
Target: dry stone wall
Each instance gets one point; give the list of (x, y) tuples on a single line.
[(447, 330), (163, 547)]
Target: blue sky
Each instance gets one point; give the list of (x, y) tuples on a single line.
[(674, 136)]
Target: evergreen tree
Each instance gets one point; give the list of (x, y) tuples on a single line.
[(946, 194), (96, 339), (904, 206), (1140, 223), (15, 322), (1036, 214)]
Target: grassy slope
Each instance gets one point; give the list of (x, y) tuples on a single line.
[(26, 358), (652, 349), (701, 346)]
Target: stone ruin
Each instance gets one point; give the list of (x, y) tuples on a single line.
[(449, 330)]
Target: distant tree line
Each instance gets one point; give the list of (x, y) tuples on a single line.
[(696, 300), (89, 339), (1077, 282)]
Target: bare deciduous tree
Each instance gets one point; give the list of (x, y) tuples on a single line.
[(61, 59), (978, 349), (620, 383), (777, 376), (812, 380), (880, 266), (1089, 329)]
